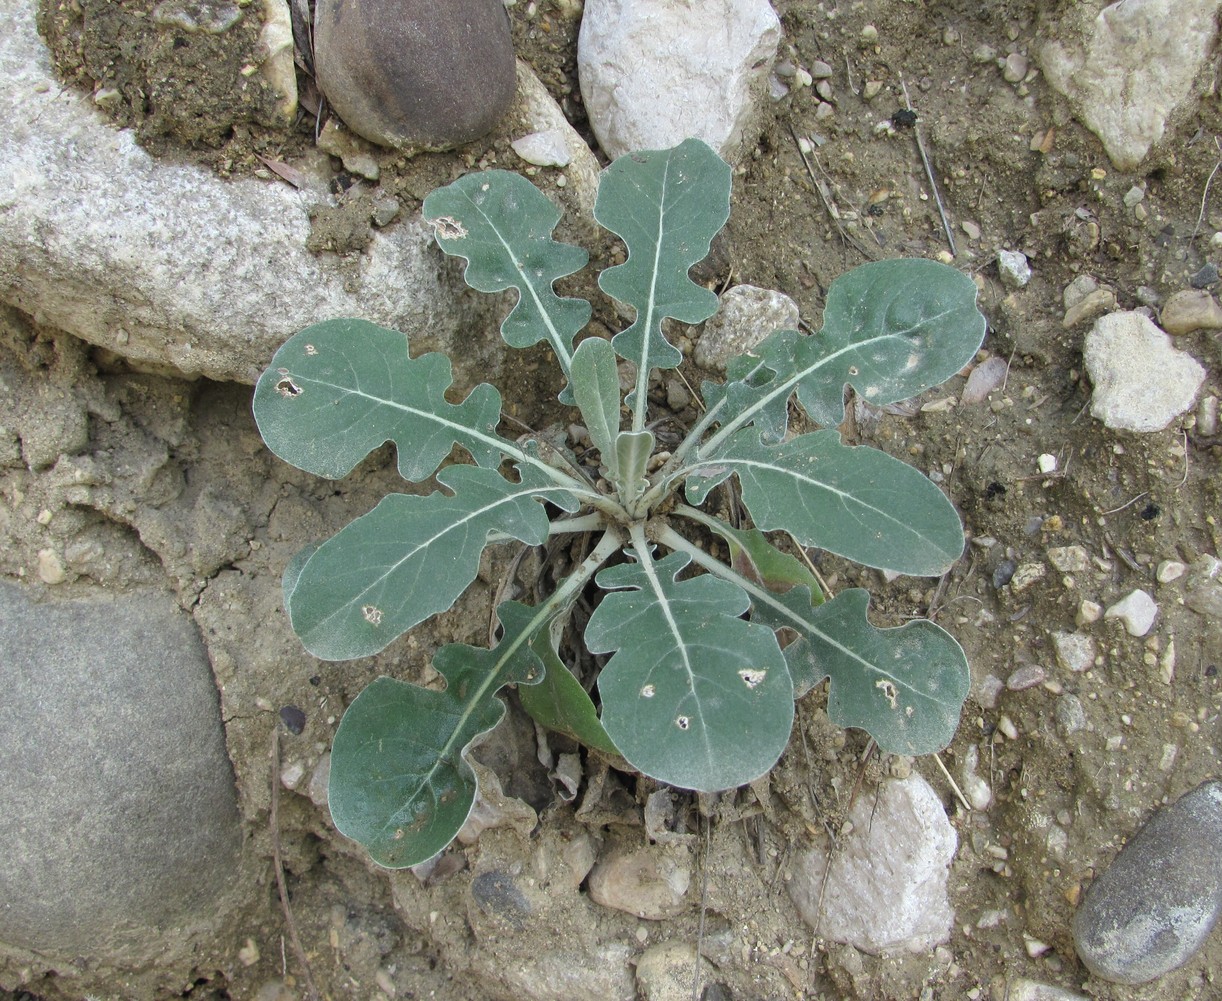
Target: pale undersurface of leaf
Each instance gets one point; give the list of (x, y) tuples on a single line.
[(694, 695), (501, 224), (666, 205), (411, 557), (857, 502), (596, 389), (399, 782), (905, 686), (337, 390)]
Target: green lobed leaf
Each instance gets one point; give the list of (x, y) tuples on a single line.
[(596, 389), (501, 224), (337, 390), (559, 703), (904, 686), (666, 205), (411, 557), (757, 559), (891, 330), (751, 386), (857, 502), (399, 782), (694, 696)]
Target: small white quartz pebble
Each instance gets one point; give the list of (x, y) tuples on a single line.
[(543, 149), (1170, 570), (1047, 463), (1136, 610)]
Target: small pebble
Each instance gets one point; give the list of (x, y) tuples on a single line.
[(1134, 195), (1069, 559), (51, 567), (1169, 570), (1027, 575), (984, 53), (970, 229), (1014, 68), (1207, 416), (1047, 463), (1074, 651), (983, 379), (543, 149), (1154, 906), (293, 719), (869, 34), (1070, 715), (872, 89), (1208, 275), (1013, 268), (1088, 612), (1006, 726), (1136, 610), (820, 70), (1027, 676), (1189, 310)]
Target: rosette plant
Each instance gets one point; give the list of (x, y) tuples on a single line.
[(698, 690)]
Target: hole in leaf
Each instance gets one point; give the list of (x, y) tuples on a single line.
[(311, 350), (372, 614), (683, 723), (287, 388), (448, 228), (752, 678), (889, 692), (648, 692)]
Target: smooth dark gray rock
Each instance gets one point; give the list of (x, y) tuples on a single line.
[(119, 825), (1155, 905), (415, 74)]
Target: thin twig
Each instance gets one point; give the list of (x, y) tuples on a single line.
[(1128, 503), (828, 205), (953, 784), (274, 821), (827, 591), (950, 237), (704, 894), (1205, 195), (1185, 478)]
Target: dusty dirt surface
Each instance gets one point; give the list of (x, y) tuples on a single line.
[(1015, 171)]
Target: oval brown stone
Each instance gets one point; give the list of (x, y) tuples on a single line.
[(415, 74)]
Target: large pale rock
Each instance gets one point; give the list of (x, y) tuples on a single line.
[(656, 72), (415, 74), (886, 891), (170, 265), (120, 824), (1129, 67), (1141, 382)]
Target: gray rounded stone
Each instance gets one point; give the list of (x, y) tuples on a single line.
[(415, 74), (1155, 905), (120, 823)]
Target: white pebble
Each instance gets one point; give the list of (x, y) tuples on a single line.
[(1047, 463), (1007, 727), (1137, 610), (1170, 570), (1013, 268), (543, 149)]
